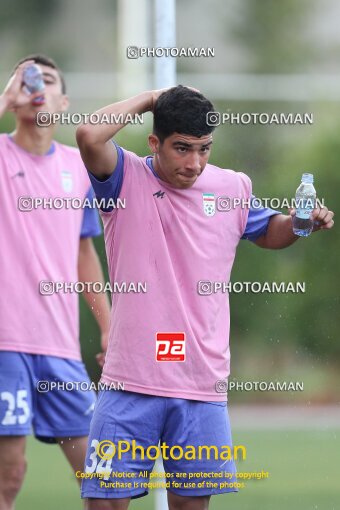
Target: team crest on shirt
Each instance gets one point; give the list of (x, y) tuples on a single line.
[(67, 181), (209, 204)]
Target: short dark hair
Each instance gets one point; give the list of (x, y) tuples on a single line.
[(44, 61), (181, 110)]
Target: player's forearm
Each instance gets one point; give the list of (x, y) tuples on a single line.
[(3, 105), (89, 270), (279, 233), (102, 132), (100, 307)]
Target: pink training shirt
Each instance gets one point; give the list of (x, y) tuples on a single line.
[(171, 239), (41, 244)]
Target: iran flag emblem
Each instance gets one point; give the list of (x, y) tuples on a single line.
[(209, 204)]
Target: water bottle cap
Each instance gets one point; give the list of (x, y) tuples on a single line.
[(308, 178)]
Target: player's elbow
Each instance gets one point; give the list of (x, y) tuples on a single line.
[(85, 136)]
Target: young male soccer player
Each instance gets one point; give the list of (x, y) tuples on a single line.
[(39, 333), (169, 346)]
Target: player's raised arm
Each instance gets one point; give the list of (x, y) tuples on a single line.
[(14, 95), (94, 140)]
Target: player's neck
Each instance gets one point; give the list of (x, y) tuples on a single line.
[(158, 170), (36, 140)]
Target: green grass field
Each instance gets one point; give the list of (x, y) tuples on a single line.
[(304, 468)]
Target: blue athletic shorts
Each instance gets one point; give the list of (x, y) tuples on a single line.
[(26, 403), (121, 417)]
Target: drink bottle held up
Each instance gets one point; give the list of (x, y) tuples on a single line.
[(305, 200), (34, 82)]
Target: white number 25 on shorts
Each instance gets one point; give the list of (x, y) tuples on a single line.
[(17, 401)]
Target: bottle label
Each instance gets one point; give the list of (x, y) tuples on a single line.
[(304, 207)]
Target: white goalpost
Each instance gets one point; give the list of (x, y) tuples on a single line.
[(164, 76)]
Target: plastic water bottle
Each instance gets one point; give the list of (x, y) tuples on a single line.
[(34, 82), (305, 203)]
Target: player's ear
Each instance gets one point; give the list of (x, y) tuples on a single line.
[(154, 143), (65, 103)]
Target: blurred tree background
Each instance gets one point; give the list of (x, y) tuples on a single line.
[(273, 336)]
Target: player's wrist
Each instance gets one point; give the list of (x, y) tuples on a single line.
[(147, 99), (104, 339)]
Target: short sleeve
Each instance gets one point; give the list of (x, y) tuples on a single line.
[(110, 188), (91, 224), (258, 220)]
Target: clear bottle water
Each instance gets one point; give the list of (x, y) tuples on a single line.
[(305, 200), (34, 81)]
